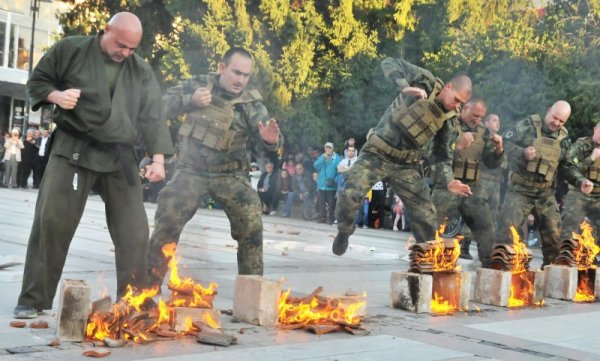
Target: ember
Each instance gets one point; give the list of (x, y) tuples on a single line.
[(138, 318), (312, 310)]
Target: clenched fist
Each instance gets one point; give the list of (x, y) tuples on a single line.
[(66, 99), (529, 153), (202, 97)]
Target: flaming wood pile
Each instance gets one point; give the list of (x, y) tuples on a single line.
[(434, 256), (137, 317), (319, 315)]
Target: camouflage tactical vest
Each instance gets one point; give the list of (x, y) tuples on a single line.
[(593, 172), (547, 152), (422, 119), (466, 163), (212, 124)]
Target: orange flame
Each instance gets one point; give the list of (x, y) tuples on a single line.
[(443, 253), (585, 292), (441, 306), (318, 312), (210, 321), (202, 297), (116, 323), (586, 251), (519, 261)]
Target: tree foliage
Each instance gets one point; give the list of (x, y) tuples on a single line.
[(317, 62)]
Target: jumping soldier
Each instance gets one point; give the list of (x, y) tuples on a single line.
[(424, 109)]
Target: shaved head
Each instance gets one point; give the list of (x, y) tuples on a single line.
[(121, 37), (557, 115), (456, 92)]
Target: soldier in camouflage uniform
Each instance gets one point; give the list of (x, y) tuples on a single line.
[(425, 108), (222, 117), (583, 173), (474, 147), (536, 148), (491, 182)]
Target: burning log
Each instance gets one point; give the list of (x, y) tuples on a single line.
[(183, 317), (321, 329), (319, 314)]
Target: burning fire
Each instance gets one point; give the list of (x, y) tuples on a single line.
[(586, 252), (186, 292), (441, 306), (314, 310), (136, 315), (522, 288)]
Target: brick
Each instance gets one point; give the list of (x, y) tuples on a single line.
[(180, 314), (73, 310), (454, 287), (411, 291), (596, 283), (492, 287), (256, 300), (560, 282)]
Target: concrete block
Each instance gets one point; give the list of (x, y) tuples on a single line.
[(560, 282), (73, 310), (180, 314), (411, 291), (256, 300), (596, 285), (538, 287), (492, 287), (465, 290)]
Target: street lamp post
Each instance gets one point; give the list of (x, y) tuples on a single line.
[(35, 8)]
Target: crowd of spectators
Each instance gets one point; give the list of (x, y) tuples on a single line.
[(21, 157)]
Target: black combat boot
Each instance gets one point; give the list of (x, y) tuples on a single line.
[(340, 243), (465, 244)]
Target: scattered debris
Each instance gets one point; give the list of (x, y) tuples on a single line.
[(96, 352), (38, 324), (18, 324), (115, 343)]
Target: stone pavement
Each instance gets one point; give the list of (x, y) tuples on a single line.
[(300, 252)]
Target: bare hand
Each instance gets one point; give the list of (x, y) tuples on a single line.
[(529, 153), (66, 99), (270, 132), (155, 172), (458, 187), (498, 143), (202, 97), (587, 187), (464, 141), (595, 154), (415, 92)]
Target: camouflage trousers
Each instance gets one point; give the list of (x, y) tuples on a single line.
[(178, 202), (405, 180), (577, 207), (518, 204), (490, 189), (475, 212)]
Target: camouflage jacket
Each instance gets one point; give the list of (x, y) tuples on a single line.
[(521, 136), (406, 74), (443, 149), (578, 161), (178, 101)]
